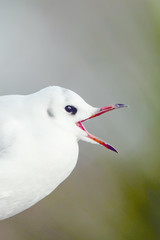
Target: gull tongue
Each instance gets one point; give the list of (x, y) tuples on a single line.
[(98, 140)]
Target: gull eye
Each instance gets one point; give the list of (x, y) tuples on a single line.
[(71, 109)]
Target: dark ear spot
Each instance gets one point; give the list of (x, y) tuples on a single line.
[(50, 112)]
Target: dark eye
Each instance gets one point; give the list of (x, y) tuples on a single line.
[(71, 109)]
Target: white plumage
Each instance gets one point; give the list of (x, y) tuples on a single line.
[(39, 136)]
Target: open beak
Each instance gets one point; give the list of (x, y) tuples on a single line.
[(99, 112)]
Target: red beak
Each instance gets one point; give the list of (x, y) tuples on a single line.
[(99, 112)]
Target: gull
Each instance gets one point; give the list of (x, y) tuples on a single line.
[(39, 136)]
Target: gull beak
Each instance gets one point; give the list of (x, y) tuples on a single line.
[(99, 112)]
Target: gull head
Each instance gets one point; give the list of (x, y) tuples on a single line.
[(69, 111)]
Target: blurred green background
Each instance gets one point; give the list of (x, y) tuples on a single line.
[(108, 51)]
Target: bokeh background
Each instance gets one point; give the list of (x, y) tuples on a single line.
[(108, 51)]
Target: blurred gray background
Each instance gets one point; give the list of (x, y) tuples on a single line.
[(107, 51)]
